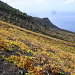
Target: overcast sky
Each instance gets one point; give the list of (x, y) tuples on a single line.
[(44, 7)]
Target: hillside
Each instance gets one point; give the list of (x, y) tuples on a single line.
[(33, 53), (34, 46), (41, 25)]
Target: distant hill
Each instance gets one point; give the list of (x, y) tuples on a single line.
[(41, 25)]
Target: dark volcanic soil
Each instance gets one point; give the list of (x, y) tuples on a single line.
[(7, 68)]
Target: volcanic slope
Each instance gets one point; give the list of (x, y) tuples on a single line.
[(34, 53)]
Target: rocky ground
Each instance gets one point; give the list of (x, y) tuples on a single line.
[(7, 68)]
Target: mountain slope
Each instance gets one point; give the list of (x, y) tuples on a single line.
[(40, 25), (35, 54), (50, 51)]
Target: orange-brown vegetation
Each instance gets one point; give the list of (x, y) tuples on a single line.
[(37, 53)]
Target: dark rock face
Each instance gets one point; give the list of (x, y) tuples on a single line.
[(48, 23)]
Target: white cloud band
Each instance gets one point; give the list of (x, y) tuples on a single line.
[(69, 2)]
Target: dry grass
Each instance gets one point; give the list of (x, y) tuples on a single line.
[(60, 53)]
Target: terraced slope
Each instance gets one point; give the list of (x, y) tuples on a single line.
[(33, 53)]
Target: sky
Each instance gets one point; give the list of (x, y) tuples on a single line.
[(41, 8)]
